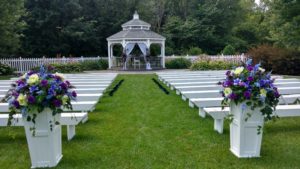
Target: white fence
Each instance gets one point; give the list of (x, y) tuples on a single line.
[(25, 64), (226, 58)]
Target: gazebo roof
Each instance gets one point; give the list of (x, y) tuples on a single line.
[(136, 34), (136, 29)]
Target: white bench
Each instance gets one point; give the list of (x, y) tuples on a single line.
[(80, 108), (67, 119), (219, 115), (216, 102), (180, 89), (216, 93)]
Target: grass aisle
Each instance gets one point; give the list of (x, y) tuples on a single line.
[(140, 127)]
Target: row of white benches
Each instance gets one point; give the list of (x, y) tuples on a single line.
[(90, 88), (202, 90)]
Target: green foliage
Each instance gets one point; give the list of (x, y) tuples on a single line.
[(80, 28), (212, 65), (5, 69), (279, 60), (78, 67), (94, 65), (228, 50), (10, 26), (195, 51), (68, 68), (178, 63)]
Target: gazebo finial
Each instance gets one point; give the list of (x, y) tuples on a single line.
[(136, 15)]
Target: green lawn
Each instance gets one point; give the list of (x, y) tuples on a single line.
[(140, 127)]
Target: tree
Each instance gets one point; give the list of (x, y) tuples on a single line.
[(10, 26)]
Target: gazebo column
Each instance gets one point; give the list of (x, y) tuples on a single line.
[(109, 55), (163, 54)]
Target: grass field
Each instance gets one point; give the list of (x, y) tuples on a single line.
[(140, 127)]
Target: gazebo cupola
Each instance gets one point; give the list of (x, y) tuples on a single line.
[(135, 32), (136, 24)]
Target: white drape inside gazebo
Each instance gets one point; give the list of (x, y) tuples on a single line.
[(129, 47)]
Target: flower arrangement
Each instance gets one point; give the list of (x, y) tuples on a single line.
[(35, 91), (251, 86)]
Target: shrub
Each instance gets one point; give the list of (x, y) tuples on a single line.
[(67, 68), (212, 65), (279, 60), (5, 69), (103, 64), (195, 51), (78, 67), (178, 63), (228, 50)]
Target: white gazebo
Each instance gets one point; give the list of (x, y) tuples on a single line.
[(135, 32)]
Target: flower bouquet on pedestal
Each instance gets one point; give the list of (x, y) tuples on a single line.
[(252, 97), (40, 97)]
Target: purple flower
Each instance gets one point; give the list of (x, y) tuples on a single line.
[(20, 83), (247, 94), (250, 78), (15, 94), (233, 96), (30, 73), (227, 83), (228, 72), (236, 82), (44, 83), (249, 68), (68, 83), (16, 104), (57, 103), (31, 100), (63, 86), (242, 84), (74, 94)]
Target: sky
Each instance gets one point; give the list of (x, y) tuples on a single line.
[(257, 1)]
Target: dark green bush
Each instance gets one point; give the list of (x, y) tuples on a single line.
[(178, 63), (95, 65), (78, 67), (228, 50), (212, 65), (279, 60), (67, 68), (195, 51), (5, 69), (103, 64)]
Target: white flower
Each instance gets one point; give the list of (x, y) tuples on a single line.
[(238, 70), (227, 91), (61, 76), (261, 69), (65, 99), (33, 79), (22, 100)]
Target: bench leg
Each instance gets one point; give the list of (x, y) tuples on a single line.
[(172, 88), (177, 92), (191, 104), (218, 125), (85, 119), (202, 113), (71, 131), (183, 98)]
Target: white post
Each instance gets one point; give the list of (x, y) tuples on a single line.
[(21, 65), (163, 54), (109, 56)]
